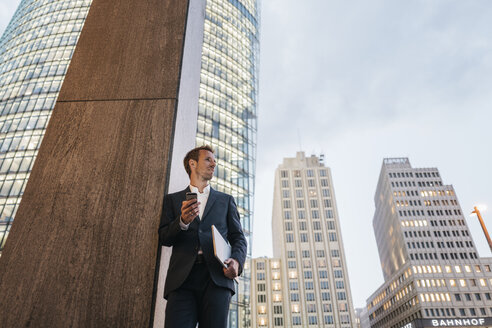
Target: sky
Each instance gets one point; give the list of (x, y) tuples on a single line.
[(359, 81)]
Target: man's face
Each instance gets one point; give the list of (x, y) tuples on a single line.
[(206, 165)]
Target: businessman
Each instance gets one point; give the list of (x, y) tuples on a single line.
[(198, 288)]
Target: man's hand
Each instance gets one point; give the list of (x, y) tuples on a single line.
[(189, 210), (232, 268)]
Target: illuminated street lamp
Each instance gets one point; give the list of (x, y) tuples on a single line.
[(486, 233)]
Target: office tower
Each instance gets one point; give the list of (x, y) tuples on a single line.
[(35, 51), (227, 113), (433, 275), (361, 318), (308, 283), (267, 302)]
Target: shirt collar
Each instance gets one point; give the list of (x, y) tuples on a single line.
[(206, 190)]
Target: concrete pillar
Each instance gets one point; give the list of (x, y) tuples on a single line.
[(83, 249)]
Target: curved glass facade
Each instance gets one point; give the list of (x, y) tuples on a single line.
[(227, 113), (35, 51)]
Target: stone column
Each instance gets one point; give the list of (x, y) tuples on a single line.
[(83, 249)]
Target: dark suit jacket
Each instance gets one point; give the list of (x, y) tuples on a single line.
[(220, 211)]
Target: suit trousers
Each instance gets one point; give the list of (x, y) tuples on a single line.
[(198, 300)]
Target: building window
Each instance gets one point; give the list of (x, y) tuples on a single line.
[(260, 276), (279, 321), (296, 320), (309, 297), (293, 285), (302, 226), (341, 296), (284, 174), (313, 320), (330, 225), (344, 318), (262, 298), (261, 287), (318, 237), (328, 319), (339, 285)]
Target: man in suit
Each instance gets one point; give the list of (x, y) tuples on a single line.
[(198, 288)]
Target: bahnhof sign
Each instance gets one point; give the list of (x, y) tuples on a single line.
[(451, 322)]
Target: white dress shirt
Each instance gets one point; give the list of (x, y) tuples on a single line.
[(202, 198)]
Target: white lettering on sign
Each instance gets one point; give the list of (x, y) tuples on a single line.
[(408, 325), (456, 322)]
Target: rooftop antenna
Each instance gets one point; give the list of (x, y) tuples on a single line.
[(299, 139)]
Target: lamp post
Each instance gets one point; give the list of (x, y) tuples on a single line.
[(484, 228)]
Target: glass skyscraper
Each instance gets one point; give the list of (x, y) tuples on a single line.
[(35, 51), (227, 113)]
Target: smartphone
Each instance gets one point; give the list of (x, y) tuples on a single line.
[(191, 195)]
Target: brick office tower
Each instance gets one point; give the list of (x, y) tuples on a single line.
[(433, 275), (306, 284)]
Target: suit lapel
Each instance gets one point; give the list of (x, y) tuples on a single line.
[(210, 202)]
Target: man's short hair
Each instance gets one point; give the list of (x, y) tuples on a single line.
[(194, 154)]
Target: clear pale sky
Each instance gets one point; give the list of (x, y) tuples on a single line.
[(363, 80)]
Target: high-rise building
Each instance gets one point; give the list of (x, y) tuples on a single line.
[(35, 51), (361, 318), (433, 275), (227, 113), (306, 283)]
